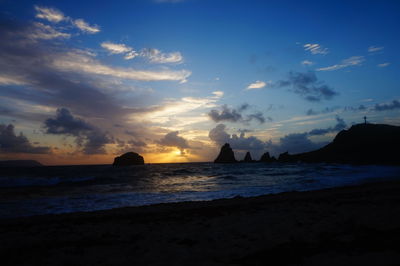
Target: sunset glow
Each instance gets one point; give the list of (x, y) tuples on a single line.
[(175, 80)]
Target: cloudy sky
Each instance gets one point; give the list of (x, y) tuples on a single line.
[(175, 79)]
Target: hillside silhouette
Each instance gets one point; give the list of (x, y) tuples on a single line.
[(361, 144)]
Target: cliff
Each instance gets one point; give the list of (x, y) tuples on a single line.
[(361, 144)]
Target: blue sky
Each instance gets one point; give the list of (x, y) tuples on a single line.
[(174, 80)]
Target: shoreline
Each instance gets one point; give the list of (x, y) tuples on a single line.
[(351, 224)]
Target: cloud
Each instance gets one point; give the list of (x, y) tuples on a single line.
[(218, 94), (235, 115), (226, 114), (294, 143), (219, 135), (307, 63), (323, 111), (256, 85), (40, 31), (355, 109), (308, 86), (300, 142), (395, 104), (340, 125), (87, 136), (373, 49), (384, 64), (315, 48), (11, 143), (130, 55), (11, 80), (80, 62), (50, 14), (241, 142), (183, 111), (28, 64), (172, 139), (116, 48), (85, 27), (65, 123), (258, 117), (120, 48), (42, 75), (56, 16), (156, 56), (130, 145), (351, 61)]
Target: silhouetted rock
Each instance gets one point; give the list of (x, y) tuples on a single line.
[(247, 158), (20, 163), (266, 158), (129, 158), (226, 155), (285, 157), (361, 144)]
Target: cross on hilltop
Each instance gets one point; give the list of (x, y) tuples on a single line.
[(365, 120)]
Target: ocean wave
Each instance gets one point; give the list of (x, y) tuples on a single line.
[(8, 182)]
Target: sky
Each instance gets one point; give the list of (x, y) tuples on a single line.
[(173, 80)]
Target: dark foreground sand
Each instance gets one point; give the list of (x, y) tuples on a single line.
[(341, 226)]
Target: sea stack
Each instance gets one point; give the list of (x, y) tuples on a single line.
[(266, 158), (247, 158), (129, 158), (226, 155)]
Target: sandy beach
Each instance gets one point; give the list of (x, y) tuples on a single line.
[(357, 225)]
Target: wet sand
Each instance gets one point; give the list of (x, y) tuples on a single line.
[(357, 225)]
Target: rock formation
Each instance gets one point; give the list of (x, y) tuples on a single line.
[(20, 163), (285, 157), (129, 158), (266, 158), (226, 155), (247, 158), (361, 144)]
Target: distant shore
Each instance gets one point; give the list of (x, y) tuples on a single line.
[(357, 225)]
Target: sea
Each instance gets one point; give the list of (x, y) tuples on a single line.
[(65, 189)]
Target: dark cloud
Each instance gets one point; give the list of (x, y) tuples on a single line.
[(33, 73), (395, 104), (219, 135), (340, 125), (130, 145), (38, 78), (172, 139), (11, 143), (258, 117), (91, 139), (235, 115), (308, 86), (226, 114), (65, 123), (294, 143)]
